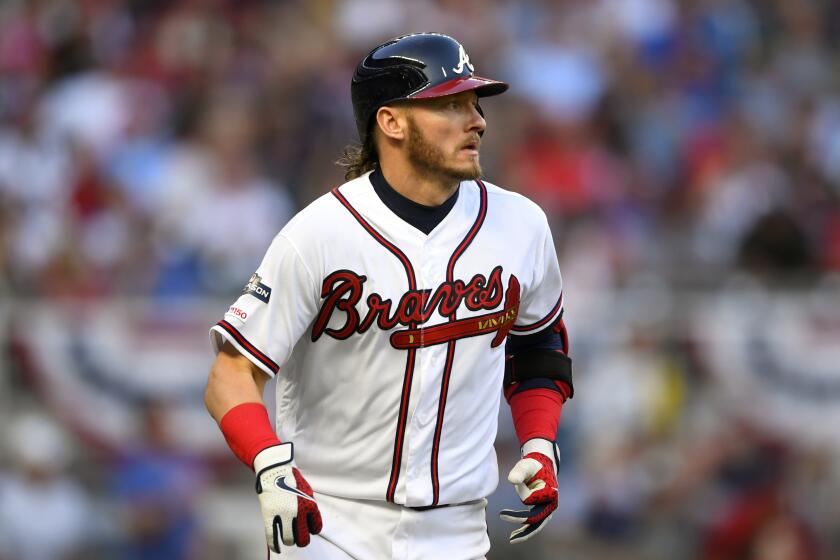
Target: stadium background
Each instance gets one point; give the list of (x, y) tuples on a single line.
[(688, 156)]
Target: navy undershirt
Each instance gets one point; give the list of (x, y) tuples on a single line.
[(424, 218)]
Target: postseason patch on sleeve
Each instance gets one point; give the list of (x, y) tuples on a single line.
[(256, 288)]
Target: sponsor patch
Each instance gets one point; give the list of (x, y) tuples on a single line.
[(256, 288), (241, 313)]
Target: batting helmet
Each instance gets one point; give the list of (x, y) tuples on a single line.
[(417, 66)]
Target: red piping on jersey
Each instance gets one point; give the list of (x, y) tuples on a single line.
[(542, 321), (237, 336), (409, 362), (450, 351), (560, 328)]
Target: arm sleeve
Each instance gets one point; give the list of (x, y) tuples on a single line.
[(542, 299), (536, 414), (275, 308)]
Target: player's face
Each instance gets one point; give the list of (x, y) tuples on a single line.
[(444, 136)]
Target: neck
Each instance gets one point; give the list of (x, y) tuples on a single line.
[(421, 188)]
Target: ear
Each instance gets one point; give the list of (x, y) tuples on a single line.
[(391, 122)]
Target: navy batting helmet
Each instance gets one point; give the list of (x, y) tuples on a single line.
[(417, 66)]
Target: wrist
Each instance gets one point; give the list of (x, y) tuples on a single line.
[(274, 456), (248, 431), (544, 447)]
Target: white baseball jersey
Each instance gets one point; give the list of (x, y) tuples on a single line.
[(388, 343)]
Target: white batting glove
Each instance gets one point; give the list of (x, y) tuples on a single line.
[(535, 479), (289, 511)]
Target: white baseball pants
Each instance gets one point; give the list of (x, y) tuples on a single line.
[(373, 530)]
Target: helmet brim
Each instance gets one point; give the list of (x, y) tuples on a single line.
[(484, 87)]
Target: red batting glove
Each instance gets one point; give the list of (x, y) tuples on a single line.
[(535, 479)]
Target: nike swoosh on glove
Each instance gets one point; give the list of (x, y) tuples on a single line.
[(289, 511), (535, 479)]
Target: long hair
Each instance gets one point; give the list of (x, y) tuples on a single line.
[(359, 159)]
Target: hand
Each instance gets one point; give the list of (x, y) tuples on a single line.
[(289, 511), (535, 479)]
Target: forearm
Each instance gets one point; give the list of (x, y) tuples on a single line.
[(536, 414), (234, 399), (233, 381)]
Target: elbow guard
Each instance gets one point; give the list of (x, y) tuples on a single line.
[(539, 363)]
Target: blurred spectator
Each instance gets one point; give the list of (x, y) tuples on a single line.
[(155, 486), (44, 513), (218, 209), (777, 246), (753, 519)]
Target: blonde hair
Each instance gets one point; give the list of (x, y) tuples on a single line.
[(359, 159)]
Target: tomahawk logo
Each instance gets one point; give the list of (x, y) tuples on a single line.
[(463, 60)]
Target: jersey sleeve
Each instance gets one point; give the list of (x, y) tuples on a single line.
[(275, 308), (542, 300)]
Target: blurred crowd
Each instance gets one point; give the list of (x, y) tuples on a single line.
[(153, 148)]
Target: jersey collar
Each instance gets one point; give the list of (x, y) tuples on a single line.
[(423, 218)]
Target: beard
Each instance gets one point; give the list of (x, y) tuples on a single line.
[(430, 160)]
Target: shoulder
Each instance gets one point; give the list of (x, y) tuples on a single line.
[(324, 214), (515, 206)]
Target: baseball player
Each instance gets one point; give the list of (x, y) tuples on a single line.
[(392, 312)]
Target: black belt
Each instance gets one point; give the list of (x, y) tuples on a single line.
[(427, 508)]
